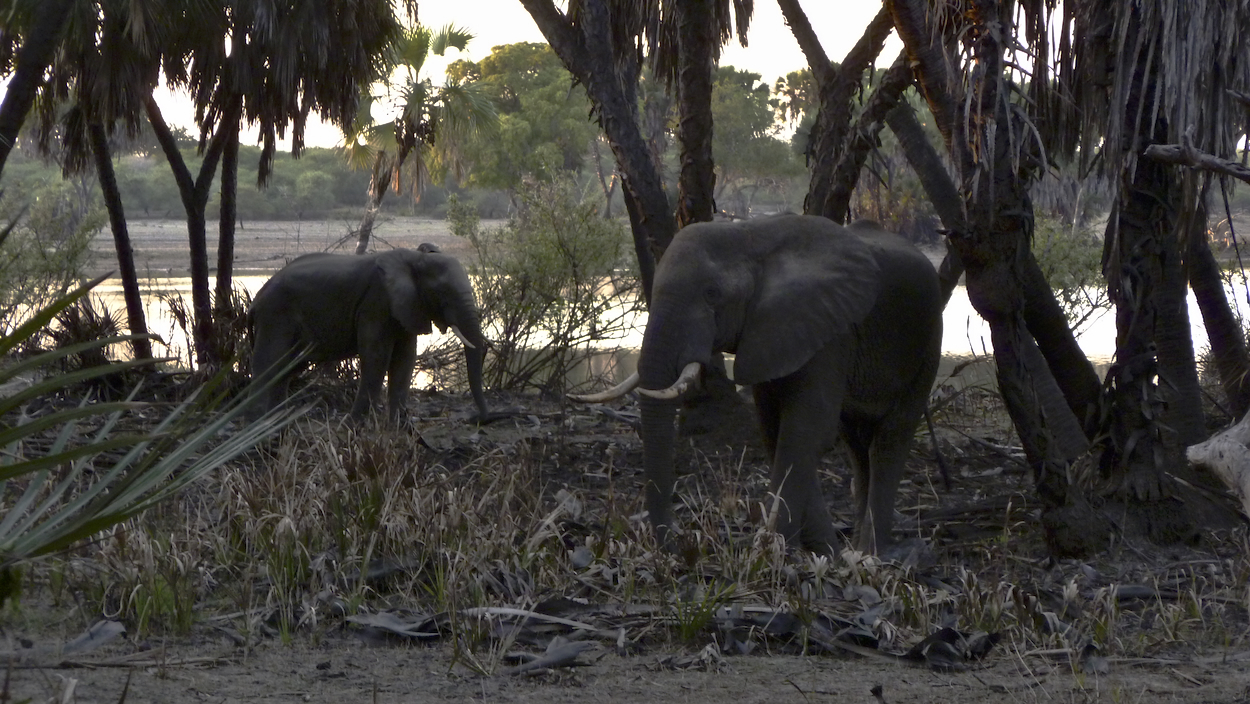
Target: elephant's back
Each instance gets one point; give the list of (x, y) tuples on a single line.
[(316, 300)]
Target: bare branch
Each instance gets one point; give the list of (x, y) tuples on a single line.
[(822, 69), (1188, 156)]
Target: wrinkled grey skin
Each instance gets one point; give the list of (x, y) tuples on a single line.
[(372, 306), (838, 331)]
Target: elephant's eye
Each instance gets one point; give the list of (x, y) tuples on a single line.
[(713, 295)]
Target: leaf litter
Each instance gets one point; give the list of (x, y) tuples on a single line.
[(561, 574)]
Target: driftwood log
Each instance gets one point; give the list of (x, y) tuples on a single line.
[(1227, 455)]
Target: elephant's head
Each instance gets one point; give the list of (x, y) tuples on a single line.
[(427, 287), (772, 292)]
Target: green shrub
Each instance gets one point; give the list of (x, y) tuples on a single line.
[(47, 251), (555, 285), (1071, 259)]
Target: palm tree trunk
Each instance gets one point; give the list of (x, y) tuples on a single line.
[(1228, 342), (121, 240), (992, 246), (194, 193), (1178, 370), (229, 215), (379, 184), (696, 56), (38, 50)]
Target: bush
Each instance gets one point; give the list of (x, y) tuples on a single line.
[(47, 250), (1071, 259), (554, 284)]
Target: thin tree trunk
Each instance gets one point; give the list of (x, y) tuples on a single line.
[(861, 139), (587, 50), (379, 184), (121, 240), (937, 185), (1228, 341), (194, 193), (607, 185), (38, 48), (229, 214), (836, 88), (696, 56), (1075, 374)]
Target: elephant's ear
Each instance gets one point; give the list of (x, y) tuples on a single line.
[(806, 295), (400, 281)]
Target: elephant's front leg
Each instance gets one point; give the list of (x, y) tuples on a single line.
[(399, 376)]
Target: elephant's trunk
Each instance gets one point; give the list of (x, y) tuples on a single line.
[(664, 348), (658, 436), (474, 359), (462, 317)]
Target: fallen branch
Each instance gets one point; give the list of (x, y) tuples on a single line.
[(1227, 455)]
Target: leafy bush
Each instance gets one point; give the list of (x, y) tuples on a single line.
[(47, 250), (1071, 259), (555, 285)]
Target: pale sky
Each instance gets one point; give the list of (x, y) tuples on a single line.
[(772, 51)]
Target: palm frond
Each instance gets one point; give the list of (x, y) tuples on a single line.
[(450, 36), (75, 486)]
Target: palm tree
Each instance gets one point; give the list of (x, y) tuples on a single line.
[(426, 134), (28, 41), (98, 77), (1113, 78)]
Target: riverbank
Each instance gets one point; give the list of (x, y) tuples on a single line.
[(264, 246)]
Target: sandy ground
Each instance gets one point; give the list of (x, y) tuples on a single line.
[(342, 671), (261, 246)]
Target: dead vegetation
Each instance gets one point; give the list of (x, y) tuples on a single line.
[(519, 547)]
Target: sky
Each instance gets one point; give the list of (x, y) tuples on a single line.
[(771, 51)]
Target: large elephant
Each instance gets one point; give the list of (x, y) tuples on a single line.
[(838, 331), (372, 306)]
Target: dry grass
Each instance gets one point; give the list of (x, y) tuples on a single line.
[(333, 523)]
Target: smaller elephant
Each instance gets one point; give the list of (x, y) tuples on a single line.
[(333, 307), (837, 330)]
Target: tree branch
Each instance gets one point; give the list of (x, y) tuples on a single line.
[(822, 68), (1188, 156)]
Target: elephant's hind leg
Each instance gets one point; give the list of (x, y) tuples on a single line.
[(891, 446)]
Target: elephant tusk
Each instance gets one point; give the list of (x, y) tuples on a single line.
[(462, 338), (688, 376), (613, 393)]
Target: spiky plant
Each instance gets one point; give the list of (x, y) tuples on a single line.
[(60, 492)]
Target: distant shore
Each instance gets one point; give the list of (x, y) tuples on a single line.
[(264, 246)]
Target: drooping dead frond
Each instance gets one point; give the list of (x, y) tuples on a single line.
[(1110, 72)]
